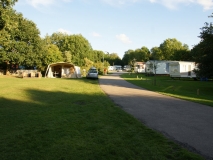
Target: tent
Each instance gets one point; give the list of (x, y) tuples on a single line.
[(63, 70)]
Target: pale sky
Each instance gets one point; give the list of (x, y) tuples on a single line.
[(116, 26)]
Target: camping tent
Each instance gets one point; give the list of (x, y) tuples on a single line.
[(63, 70)]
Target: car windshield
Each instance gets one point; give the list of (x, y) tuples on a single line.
[(93, 71)]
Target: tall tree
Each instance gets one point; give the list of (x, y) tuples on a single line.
[(77, 45), (113, 59), (156, 54), (52, 54), (203, 52), (169, 47), (20, 41), (128, 56), (5, 5), (182, 55)]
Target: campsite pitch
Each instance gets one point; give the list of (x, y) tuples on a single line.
[(73, 119)]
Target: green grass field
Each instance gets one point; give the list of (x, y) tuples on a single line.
[(73, 119), (188, 89)]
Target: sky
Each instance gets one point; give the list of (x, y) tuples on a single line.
[(115, 26)]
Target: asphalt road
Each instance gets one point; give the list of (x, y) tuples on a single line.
[(187, 123)]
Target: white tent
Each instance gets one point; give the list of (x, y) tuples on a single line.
[(63, 70)]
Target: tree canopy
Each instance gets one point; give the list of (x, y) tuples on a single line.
[(140, 54), (20, 41), (203, 52), (113, 59), (75, 46)]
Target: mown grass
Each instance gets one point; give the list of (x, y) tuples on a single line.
[(188, 89), (73, 119)]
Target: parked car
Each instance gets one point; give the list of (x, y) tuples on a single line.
[(92, 73)]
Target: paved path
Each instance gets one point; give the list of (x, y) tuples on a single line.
[(187, 123)]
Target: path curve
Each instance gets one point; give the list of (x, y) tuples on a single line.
[(188, 123)]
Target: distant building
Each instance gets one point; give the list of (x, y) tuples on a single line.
[(127, 67), (139, 67)]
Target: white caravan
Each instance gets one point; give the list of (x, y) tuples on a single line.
[(160, 67), (179, 69), (139, 67), (111, 68), (127, 68)]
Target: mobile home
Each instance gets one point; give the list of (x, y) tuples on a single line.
[(111, 68), (182, 69), (117, 67), (139, 67), (160, 67), (127, 68)]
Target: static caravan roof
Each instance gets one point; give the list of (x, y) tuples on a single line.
[(180, 62)]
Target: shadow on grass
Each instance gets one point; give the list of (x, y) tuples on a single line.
[(62, 125)]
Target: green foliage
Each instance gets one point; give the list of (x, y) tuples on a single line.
[(156, 54), (7, 3), (142, 54), (203, 52), (20, 44), (182, 55), (20, 41), (77, 46), (67, 56), (169, 47), (97, 56), (127, 58), (52, 54), (87, 64), (113, 59)]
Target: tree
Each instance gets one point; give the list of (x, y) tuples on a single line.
[(127, 58), (169, 47), (182, 55), (156, 54), (5, 5), (76, 45), (145, 54), (20, 42), (52, 54), (203, 52), (113, 59), (67, 56)]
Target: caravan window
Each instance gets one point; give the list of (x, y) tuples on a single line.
[(167, 67)]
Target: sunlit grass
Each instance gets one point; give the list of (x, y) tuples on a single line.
[(73, 119), (188, 89)]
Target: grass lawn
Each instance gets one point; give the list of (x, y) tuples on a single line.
[(59, 119), (188, 89)]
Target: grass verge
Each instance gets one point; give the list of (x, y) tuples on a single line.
[(188, 89), (73, 119)]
